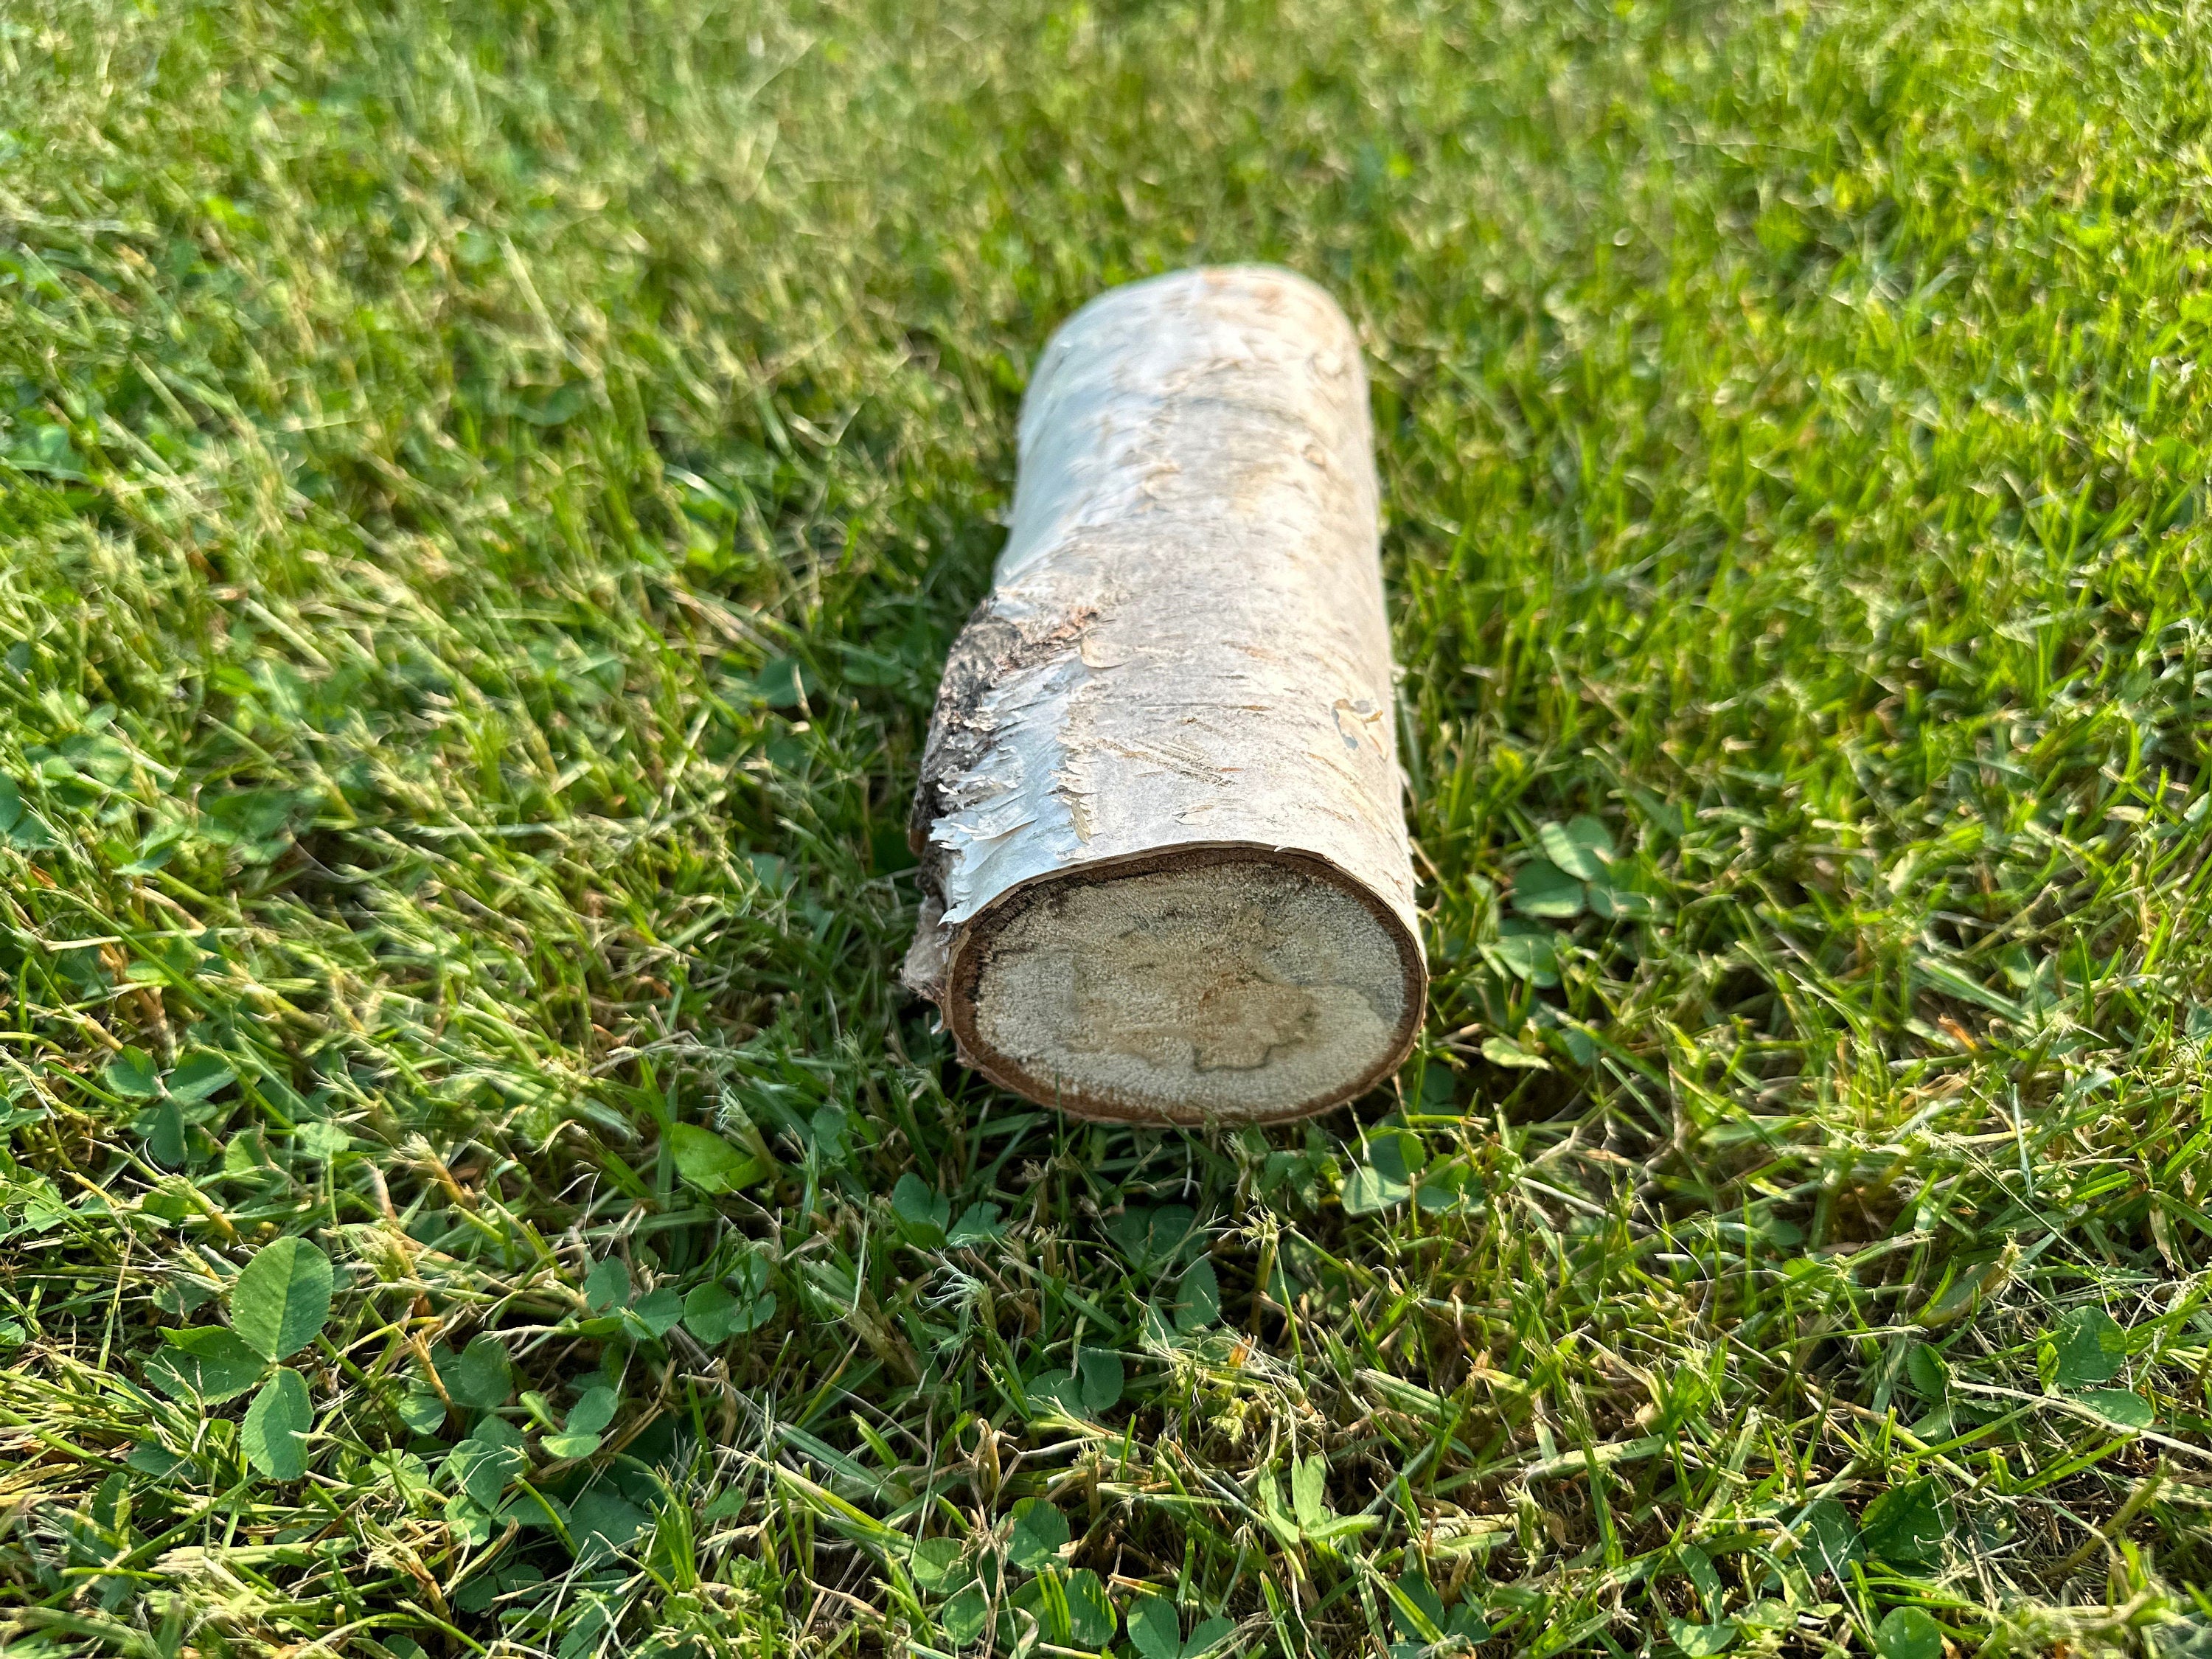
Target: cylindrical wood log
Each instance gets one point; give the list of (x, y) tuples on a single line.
[(1166, 863)]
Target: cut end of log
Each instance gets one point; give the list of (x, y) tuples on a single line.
[(1207, 985)]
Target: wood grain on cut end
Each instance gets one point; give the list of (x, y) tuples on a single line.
[(1225, 984)]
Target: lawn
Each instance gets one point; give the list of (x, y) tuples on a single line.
[(485, 491)]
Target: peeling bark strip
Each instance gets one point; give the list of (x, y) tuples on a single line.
[(1159, 812)]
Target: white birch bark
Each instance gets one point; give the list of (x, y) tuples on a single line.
[(1160, 805)]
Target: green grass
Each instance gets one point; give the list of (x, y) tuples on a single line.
[(485, 493)]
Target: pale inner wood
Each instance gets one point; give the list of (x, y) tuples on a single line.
[(1232, 990)]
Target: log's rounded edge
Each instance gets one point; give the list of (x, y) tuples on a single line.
[(971, 950), (1264, 291)]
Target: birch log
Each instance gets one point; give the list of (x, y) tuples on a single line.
[(1165, 864)]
